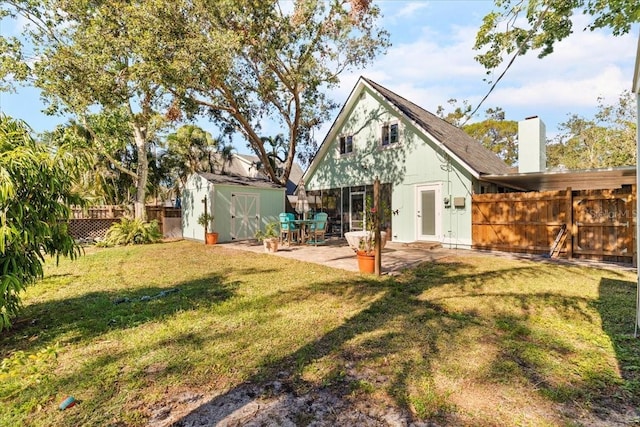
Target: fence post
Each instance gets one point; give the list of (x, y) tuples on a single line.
[(569, 223)]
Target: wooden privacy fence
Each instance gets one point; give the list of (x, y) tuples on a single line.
[(169, 219), (599, 224)]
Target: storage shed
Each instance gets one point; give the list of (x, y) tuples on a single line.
[(240, 205)]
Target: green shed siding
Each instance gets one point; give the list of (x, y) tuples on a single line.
[(234, 220)]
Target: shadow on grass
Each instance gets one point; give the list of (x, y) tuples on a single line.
[(364, 340), (391, 344), (95, 313), (617, 308), (396, 318)]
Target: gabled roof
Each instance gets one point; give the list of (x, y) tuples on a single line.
[(454, 141), (243, 181)]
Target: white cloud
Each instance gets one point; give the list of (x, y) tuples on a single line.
[(580, 92), (410, 9), (437, 64)]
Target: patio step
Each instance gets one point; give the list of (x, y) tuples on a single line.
[(423, 245)]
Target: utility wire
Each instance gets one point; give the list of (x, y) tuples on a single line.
[(518, 53)]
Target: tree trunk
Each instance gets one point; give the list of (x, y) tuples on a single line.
[(142, 172)]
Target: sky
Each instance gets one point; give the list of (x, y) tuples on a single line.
[(431, 60)]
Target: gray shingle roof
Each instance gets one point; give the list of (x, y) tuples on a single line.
[(453, 138), (238, 180)]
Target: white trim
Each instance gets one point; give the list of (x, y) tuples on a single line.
[(636, 90), (388, 124), (437, 188), (353, 145), (635, 87)]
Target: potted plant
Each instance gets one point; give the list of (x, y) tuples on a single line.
[(365, 251), (270, 236), (206, 220)]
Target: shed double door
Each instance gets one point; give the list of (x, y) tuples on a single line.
[(245, 215)]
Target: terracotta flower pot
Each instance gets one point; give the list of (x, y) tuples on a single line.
[(366, 262), (270, 245), (211, 238)]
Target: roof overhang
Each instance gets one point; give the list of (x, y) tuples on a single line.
[(584, 179)]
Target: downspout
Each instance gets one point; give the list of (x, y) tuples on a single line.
[(449, 195)]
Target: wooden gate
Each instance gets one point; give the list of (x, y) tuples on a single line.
[(600, 224)]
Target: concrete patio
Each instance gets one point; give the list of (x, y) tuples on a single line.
[(336, 253), (396, 257)]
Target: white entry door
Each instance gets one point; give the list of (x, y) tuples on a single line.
[(429, 212), (245, 215)]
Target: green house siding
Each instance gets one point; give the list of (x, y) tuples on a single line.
[(414, 161)]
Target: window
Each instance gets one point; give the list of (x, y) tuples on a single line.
[(346, 144), (390, 134)]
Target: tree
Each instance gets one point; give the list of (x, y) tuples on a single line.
[(545, 22), (35, 195), (226, 152), (191, 149), (243, 62), (459, 114), (239, 62), (88, 56), (494, 133), (497, 134), (277, 153), (607, 140), (105, 139)]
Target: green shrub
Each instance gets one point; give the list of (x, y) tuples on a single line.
[(132, 232)]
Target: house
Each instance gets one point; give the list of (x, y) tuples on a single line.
[(441, 185), (249, 166), (240, 205), (428, 169)]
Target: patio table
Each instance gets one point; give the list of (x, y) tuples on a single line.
[(302, 224), (354, 238)]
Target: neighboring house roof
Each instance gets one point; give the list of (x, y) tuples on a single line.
[(294, 176), (243, 181), (246, 165), (238, 165), (467, 149)]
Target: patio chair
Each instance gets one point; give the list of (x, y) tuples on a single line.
[(318, 227), (288, 229)]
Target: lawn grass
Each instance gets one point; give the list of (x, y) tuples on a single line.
[(471, 340)]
